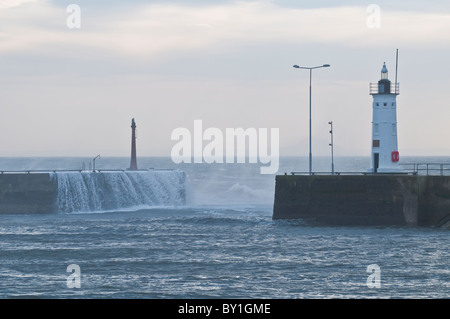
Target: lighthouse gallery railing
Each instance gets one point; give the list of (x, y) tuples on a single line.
[(374, 88)]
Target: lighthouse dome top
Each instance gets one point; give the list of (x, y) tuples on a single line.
[(384, 72)]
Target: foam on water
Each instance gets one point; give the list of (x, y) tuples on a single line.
[(87, 191)]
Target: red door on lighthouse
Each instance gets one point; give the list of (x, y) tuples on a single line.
[(395, 156)]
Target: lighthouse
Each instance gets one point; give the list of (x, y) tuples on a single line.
[(385, 155), (133, 162)]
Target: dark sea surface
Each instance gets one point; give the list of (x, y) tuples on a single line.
[(222, 244)]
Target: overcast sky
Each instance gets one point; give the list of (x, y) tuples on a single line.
[(73, 92)]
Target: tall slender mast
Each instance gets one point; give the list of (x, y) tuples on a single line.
[(396, 69), (133, 163)]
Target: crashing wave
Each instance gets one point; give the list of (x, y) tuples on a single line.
[(99, 191)]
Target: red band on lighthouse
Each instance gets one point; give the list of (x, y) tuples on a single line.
[(395, 156)]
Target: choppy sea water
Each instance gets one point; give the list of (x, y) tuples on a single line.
[(222, 244)]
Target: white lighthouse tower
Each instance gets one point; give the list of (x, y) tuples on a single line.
[(385, 155)]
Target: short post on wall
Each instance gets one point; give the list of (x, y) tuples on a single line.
[(332, 147)]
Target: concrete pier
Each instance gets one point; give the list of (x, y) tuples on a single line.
[(375, 200), (84, 191), (27, 193)]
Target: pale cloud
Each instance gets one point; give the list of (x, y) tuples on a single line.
[(4, 4), (156, 29)]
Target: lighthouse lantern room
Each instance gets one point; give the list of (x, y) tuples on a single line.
[(385, 155)]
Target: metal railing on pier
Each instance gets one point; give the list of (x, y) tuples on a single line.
[(33, 171), (329, 173), (426, 169), (37, 171)]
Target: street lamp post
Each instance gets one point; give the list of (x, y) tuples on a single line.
[(310, 78), (93, 162)]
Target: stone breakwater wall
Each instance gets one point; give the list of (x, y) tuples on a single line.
[(23, 193), (85, 191), (375, 200)]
